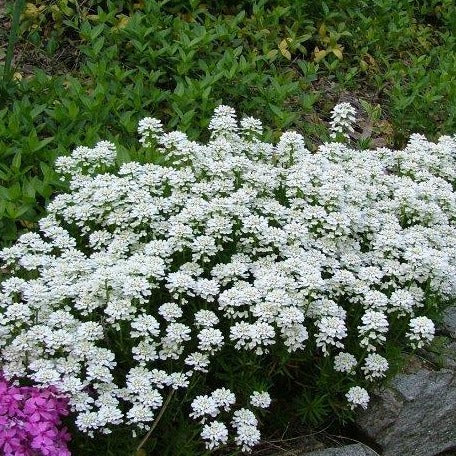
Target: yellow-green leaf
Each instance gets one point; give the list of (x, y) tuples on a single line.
[(122, 23), (286, 53), (337, 52), (283, 46), (322, 30), (319, 55), (31, 11)]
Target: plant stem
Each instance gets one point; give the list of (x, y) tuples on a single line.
[(18, 7), (154, 424)]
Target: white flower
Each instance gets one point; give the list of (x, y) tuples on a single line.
[(345, 362), (145, 325), (179, 380), (87, 160), (177, 333), (224, 398), (294, 337), (251, 126), (215, 434), (138, 413), (421, 331), (252, 336), (331, 330), (152, 398), (210, 340), (342, 119), (224, 121), (375, 366), (290, 147), (260, 399), (402, 301), (148, 129), (206, 318), (244, 417), (199, 361), (373, 329), (159, 377), (170, 311), (145, 351), (247, 437), (204, 405), (247, 433), (357, 396)]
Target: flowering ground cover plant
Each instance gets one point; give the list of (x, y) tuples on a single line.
[(218, 280)]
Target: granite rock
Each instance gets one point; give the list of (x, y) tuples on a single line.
[(415, 415), (348, 450), (449, 321)]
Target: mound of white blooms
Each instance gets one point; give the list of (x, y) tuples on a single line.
[(234, 243)]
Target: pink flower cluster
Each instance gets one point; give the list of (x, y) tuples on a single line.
[(30, 421)]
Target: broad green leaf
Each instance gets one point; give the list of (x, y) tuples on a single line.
[(43, 143)]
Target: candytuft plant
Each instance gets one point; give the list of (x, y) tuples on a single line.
[(223, 278)]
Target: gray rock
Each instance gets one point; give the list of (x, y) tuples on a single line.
[(449, 356), (449, 321), (442, 352), (415, 416), (348, 450)]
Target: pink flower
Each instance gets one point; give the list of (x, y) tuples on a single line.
[(30, 421)]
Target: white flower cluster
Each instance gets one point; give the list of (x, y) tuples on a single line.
[(421, 331), (215, 433), (357, 397), (141, 274), (375, 366), (342, 119), (345, 362)]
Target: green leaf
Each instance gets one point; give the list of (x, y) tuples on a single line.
[(14, 192), (272, 54), (21, 210), (4, 194), (283, 47), (8, 230), (11, 210), (43, 143), (276, 110), (37, 110), (16, 162), (98, 45), (337, 51), (28, 190), (123, 156)]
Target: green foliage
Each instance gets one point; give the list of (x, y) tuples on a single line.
[(18, 7)]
